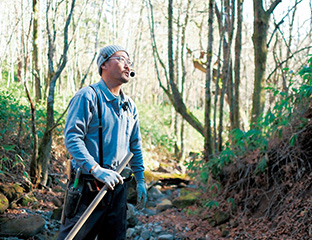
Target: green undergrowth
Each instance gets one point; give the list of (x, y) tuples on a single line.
[(157, 129), (16, 139), (286, 113)]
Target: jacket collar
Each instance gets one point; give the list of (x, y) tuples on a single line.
[(107, 93)]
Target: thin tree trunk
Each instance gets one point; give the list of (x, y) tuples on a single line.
[(291, 25), (177, 129), (215, 109), (46, 142), (183, 36), (35, 57), (261, 25), (227, 65), (209, 73), (95, 45), (170, 43), (237, 64), (34, 170), (174, 95)]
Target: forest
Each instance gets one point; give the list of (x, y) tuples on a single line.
[(224, 93)]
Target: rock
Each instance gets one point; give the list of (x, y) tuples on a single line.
[(131, 192), (56, 201), (166, 237), (158, 229), (225, 233), (163, 205), (145, 234), (22, 227), (4, 203), (169, 193), (57, 213), (149, 211), (155, 194), (130, 233), (28, 198), (187, 200), (11, 191), (150, 204), (131, 216), (218, 218), (221, 217)]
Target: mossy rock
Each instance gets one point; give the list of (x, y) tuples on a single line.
[(28, 199), (24, 227), (218, 218), (163, 205), (184, 192), (155, 176), (12, 191), (4, 203), (221, 217), (186, 200), (150, 176)]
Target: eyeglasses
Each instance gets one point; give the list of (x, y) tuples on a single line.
[(124, 60)]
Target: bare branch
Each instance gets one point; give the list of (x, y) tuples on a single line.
[(273, 6), (291, 56)]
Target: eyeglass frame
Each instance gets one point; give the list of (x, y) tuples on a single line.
[(126, 61)]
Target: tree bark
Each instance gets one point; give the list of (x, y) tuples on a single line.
[(171, 89), (209, 75), (46, 142), (35, 51), (227, 26), (238, 50), (261, 25)]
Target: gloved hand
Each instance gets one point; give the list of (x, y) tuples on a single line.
[(109, 177), (141, 194)]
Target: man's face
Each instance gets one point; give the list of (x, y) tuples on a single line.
[(118, 67)]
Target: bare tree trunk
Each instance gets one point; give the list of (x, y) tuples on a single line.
[(35, 56), (227, 63), (261, 25), (215, 109), (170, 44), (95, 45), (291, 25), (209, 74), (238, 50), (183, 36), (20, 56), (34, 170), (177, 129), (173, 94), (46, 142)]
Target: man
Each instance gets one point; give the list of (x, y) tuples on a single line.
[(120, 134)]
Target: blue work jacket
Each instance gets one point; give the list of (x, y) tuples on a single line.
[(121, 130)]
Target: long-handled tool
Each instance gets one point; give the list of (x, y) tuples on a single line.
[(68, 173), (96, 201)]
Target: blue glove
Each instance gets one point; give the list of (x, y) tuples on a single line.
[(109, 177), (141, 194)]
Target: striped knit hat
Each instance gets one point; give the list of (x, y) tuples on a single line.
[(106, 53)]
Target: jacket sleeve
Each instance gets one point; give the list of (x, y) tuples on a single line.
[(80, 113), (136, 148)]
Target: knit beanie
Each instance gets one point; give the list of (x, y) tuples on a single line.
[(106, 53)]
